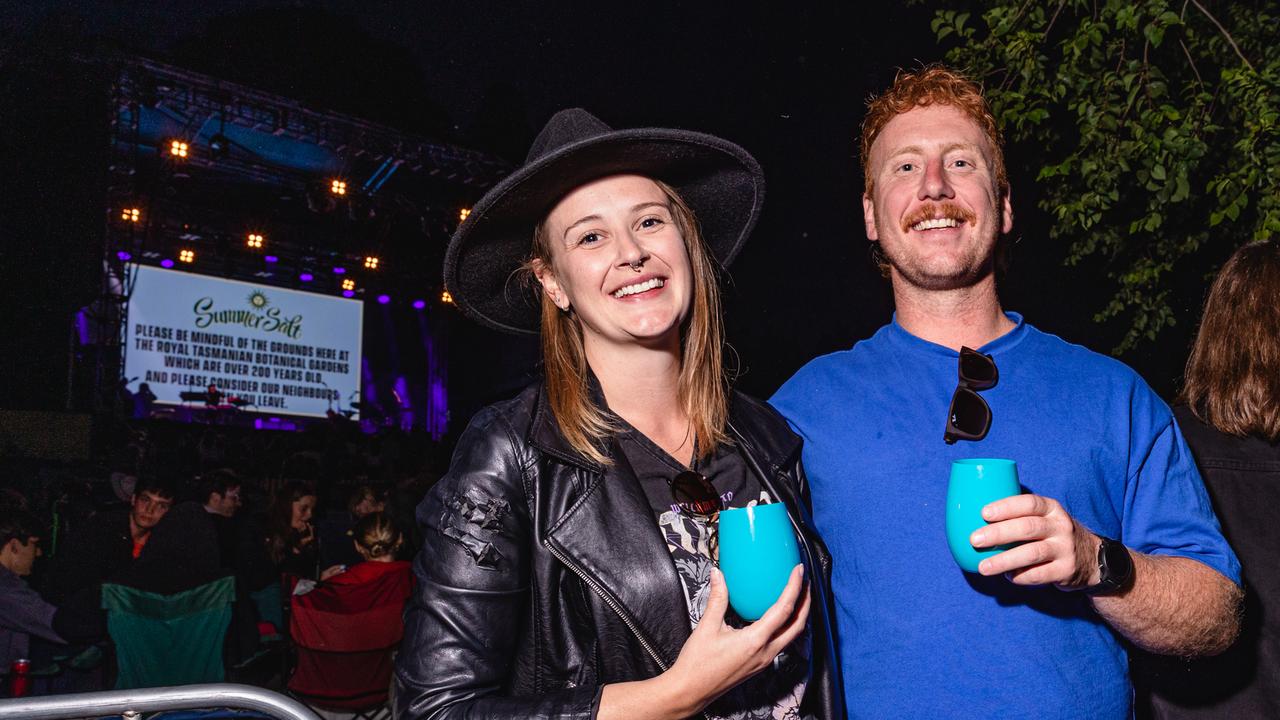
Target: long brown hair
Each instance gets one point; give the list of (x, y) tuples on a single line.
[(703, 387), (281, 535), (1233, 374)]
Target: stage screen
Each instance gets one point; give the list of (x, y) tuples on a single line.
[(269, 349)]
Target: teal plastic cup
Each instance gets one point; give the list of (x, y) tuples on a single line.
[(975, 483), (758, 551)]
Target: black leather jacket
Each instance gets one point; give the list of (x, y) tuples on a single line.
[(543, 575)]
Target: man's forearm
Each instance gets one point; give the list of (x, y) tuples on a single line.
[(1175, 606)]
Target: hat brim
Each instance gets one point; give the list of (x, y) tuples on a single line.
[(721, 183)]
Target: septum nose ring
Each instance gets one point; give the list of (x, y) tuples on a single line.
[(636, 265)]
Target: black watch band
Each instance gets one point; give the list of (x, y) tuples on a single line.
[(1115, 568)]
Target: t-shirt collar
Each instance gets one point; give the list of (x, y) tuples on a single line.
[(899, 334)]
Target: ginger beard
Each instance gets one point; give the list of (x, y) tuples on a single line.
[(970, 263)]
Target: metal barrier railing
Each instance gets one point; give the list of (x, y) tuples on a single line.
[(142, 700)]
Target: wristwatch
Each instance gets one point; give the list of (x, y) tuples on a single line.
[(1115, 568)]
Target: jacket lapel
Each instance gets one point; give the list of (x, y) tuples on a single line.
[(609, 537)]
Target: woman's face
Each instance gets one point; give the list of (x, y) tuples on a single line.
[(619, 260), (302, 509)]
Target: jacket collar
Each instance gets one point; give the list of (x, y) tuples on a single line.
[(545, 435)]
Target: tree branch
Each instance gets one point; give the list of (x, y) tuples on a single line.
[(1022, 10), (1225, 34), (1053, 19), (1192, 62)]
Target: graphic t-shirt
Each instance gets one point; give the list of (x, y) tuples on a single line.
[(775, 693)]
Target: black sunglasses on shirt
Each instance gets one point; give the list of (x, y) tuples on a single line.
[(694, 494), (969, 416)]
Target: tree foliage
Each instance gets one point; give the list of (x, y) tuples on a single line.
[(1159, 123)]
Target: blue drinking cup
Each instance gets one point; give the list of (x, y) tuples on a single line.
[(976, 482), (758, 551)]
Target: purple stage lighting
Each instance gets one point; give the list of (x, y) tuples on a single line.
[(339, 270), (384, 299), (348, 293), (419, 304), (306, 277), (166, 263), (123, 255), (270, 258)]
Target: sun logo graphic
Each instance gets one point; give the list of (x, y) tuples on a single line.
[(258, 300)]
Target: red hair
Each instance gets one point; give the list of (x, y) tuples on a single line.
[(932, 85)]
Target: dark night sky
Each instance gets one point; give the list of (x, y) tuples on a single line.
[(786, 80)]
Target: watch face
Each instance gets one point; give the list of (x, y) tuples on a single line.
[(1115, 565)]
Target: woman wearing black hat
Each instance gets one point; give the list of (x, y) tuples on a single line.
[(568, 565)]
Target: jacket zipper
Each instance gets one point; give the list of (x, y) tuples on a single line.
[(599, 590)]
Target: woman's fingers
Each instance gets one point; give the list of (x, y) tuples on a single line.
[(795, 624), (717, 601)]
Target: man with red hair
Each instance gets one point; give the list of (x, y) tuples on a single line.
[(1114, 536)]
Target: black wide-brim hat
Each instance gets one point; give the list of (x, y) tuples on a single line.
[(719, 181)]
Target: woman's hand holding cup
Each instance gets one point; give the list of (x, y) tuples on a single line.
[(714, 659), (717, 657)]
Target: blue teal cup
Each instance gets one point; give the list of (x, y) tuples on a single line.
[(975, 483), (758, 551)]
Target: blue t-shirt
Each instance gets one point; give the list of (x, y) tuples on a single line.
[(919, 637)]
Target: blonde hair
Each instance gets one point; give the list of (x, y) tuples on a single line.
[(1233, 373), (377, 535), (703, 388)]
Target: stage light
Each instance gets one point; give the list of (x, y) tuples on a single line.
[(187, 256), (178, 149), (339, 270), (131, 214), (348, 284), (463, 213), (124, 256), (270, 258), (348, 293), (371, 262), (338, 187), (254, 240), (445, 297), (166, 263), (419, 304), (306, 277), (384, 299)]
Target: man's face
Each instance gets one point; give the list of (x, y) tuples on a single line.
[(24, 555), (148, 508), (934, 207), (225, 504)]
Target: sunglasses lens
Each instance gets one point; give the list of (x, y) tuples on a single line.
[(977, 370), (694, 493), (969, 417)]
